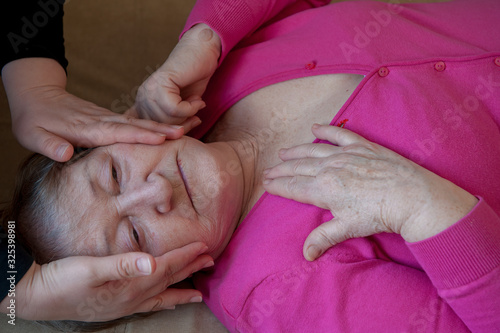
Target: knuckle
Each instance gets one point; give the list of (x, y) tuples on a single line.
[(157, 304), (297, 166), (169, 278), (125, 268), (324, 237), (340, 160), (291, 184)]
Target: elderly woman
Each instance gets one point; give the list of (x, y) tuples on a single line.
[(398, 190)]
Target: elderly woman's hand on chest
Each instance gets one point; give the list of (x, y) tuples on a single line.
[(368, 188)]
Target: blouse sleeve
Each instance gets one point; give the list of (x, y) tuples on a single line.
[(31, 28), (233, 20), (463, 263)]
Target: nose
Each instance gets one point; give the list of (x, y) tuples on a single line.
[(155, 192)]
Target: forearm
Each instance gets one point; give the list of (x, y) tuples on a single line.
[(22, 76)]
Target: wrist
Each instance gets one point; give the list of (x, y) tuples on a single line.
[(443, 208), (23, 77)]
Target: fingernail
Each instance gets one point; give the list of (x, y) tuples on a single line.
[(315, 126), (196, 299), (161, 134), (313, 252), (282, 151), (197, 122), (176, 126), (208, 264), (144, 265), (170, 307), (62, 149)]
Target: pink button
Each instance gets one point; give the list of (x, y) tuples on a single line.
[(497, 61), (383, 71), (311, 65), (440, 66)]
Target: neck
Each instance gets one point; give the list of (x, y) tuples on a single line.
[(248, 154)]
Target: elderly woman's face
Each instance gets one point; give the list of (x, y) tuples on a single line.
[(131, 197)]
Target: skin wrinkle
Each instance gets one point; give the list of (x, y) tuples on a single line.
[(101, 210)]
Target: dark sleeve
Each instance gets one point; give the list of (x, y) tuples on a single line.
[(32, 28), (14, 262)]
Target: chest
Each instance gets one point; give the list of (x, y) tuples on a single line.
[(281, 115)]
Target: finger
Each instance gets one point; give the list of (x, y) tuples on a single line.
[(178, 264), (151, 125), (190, 123), (171, 103), (296, 167), (331, 233), (299, 188), (149, 286), (50, 145), (317, 150), (120, 266), (168, 299), (323, 237), (201, 262), (336, 135)]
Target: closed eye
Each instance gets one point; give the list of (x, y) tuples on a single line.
[(114, 174), (136, 236)]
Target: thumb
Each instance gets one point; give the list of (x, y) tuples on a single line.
[(323, 237), (50, 145), (122, 266)]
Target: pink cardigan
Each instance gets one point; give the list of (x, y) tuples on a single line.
[(430, 93)]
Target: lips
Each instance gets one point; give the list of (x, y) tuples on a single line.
[(186, 186)]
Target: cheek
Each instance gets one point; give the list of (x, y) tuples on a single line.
[(171, 234)]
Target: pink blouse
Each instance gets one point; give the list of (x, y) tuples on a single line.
[(430, 93)]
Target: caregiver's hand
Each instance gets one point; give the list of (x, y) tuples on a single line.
[(173, 93), (106, 288), (49, 120), (368, 188)]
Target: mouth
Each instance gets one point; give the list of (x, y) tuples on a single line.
[(183, 176)]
